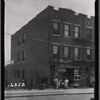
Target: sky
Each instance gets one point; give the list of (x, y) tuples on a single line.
[(19, 12)]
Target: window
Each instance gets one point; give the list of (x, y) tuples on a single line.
[(76, 53), (55, 27), (15, 74), (6, 73), (18, 74), (88, 32), (18, 41), (23, 39), (66, 30), (23, 74), (76, 31), (23, 55), (18, 57), (66, 52), (55, 50), (88, 52)]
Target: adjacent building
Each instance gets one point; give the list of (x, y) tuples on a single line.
[(56, 43)]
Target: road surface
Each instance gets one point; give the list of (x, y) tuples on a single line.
[(55, 97)]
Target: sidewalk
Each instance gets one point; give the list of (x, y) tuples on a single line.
[(46, 92)]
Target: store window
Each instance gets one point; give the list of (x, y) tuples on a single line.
[(66, 30), (56, 28), (76, 31)]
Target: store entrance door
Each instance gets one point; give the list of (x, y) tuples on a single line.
[(67, 73), (70, 75)]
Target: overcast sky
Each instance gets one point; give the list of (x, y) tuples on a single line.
[(19, 12)]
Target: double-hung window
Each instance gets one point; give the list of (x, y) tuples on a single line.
[(76, 53), (88, 52), (66, 52), (56, 28), (23, 55), (23, 39), (18, 56), (66, 30), (23, 74), (88, 32), (55, 50), (18, 41), (76, 31)]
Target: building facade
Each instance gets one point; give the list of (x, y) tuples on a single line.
[(56, 43)]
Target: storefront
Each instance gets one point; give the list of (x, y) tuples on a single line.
[(78, 74)]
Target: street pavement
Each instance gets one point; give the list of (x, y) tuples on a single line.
[(47, 92)]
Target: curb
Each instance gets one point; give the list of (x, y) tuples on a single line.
[(43, 94)]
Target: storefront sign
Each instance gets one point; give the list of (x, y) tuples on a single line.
[(60, 60), (62, 70), (54, 60), (67, 61)]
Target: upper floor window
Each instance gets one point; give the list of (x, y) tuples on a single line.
[(18, 74), (55, 27), (76, 31), (18, 56), (23, 55), (77, 53), (6, 73), (23, 74), (18, 41), (66, 30), (55, 50), (88, 32), (66, 52), (88, 52), (23, 39), (15, 74)]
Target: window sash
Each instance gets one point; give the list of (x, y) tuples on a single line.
[(76, 34), (88, 52), (23, 74), (88, 31), (66, 30), (23, 55), (23, 38), (76, 31), (66, 52), (55, 50), (76, 53), (18, 41), (55, 25), (18, 57)]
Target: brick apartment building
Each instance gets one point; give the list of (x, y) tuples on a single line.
[(54, 43)]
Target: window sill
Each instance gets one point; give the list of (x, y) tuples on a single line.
[(23, 44), (88, 60), (76, 38), (67, 37), (55, 35), (77, 59)]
